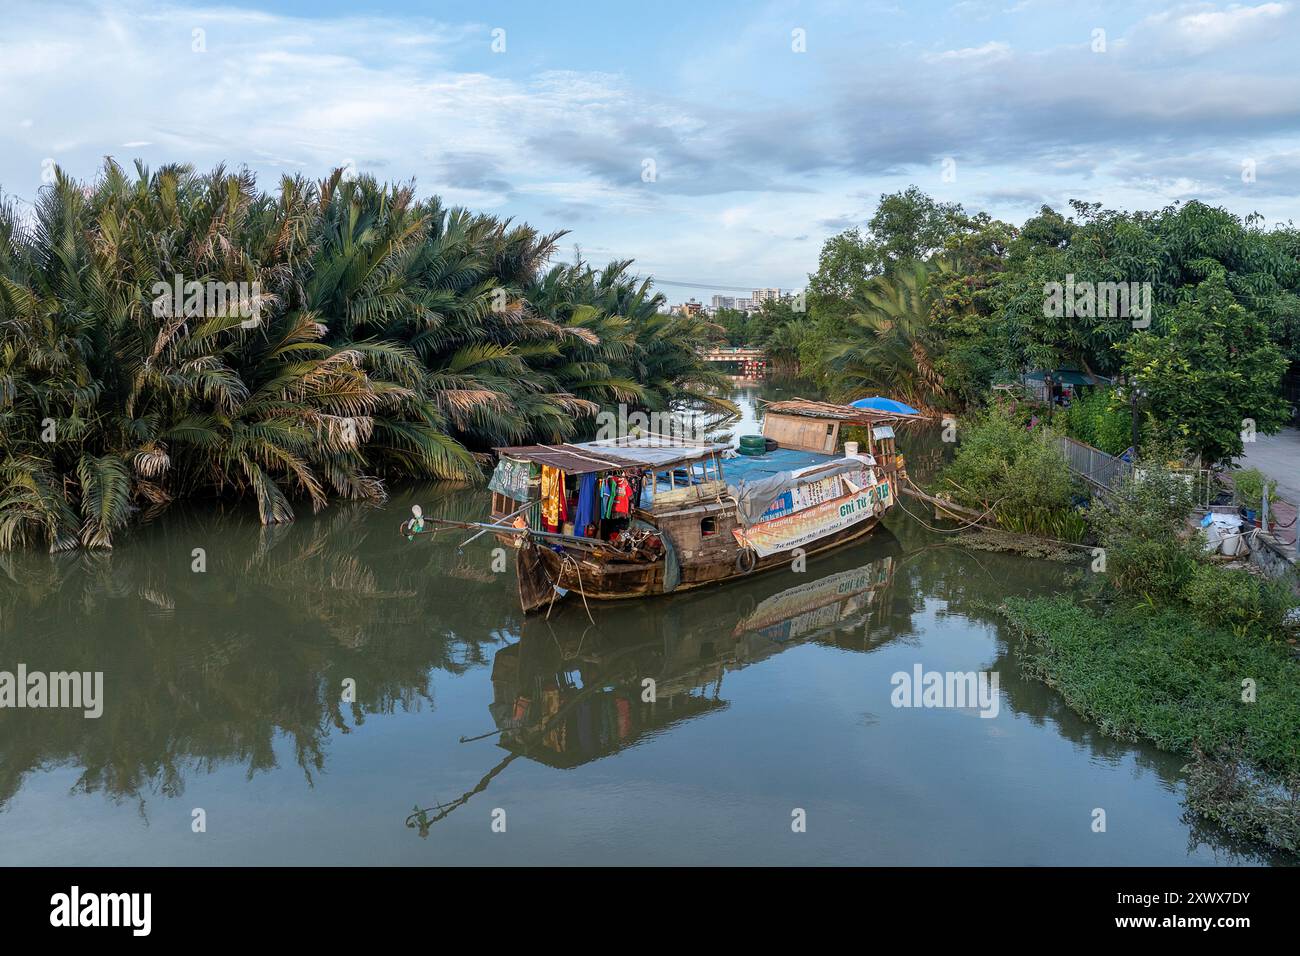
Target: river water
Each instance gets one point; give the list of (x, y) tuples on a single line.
[(225, 737)]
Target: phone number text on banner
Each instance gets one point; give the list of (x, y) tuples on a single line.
[(812, 524)]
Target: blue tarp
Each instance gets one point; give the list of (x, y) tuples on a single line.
[(882, 404)]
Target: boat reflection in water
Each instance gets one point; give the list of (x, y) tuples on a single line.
[(567, 693)]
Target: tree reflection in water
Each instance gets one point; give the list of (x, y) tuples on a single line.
[(202, 669)]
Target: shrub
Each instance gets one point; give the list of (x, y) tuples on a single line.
[(1100, 420), (1237, 600), (1017, 472), (1142, 530), (1249, 485)]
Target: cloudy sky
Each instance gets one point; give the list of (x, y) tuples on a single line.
[(715, 143)]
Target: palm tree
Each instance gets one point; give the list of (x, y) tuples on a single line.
[(892, 346), (394, 338)]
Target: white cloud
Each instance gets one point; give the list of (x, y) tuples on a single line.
[(989, 52), (1202, 27), (740, 176)]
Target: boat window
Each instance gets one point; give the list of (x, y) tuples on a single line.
[(708, 527)]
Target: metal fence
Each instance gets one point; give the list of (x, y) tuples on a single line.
[(1094, 465), (1107, 473)]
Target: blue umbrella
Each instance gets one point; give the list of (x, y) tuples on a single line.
[(882, 404)]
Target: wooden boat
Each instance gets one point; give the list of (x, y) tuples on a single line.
[(697, 513)]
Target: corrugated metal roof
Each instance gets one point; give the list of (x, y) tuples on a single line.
[(653, 451), (567, 458), (577, 458)]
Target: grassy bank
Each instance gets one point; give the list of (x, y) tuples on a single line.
[(1164, 645), (1231, 704)]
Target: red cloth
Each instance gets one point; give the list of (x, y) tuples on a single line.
[(622, 495)]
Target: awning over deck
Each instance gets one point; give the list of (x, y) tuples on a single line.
[(654, 451), (568, 458), (646, 453)]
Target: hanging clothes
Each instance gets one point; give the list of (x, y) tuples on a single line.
[(622, 496), (585, 514), (554, 508), (606, 497), (536, 520)]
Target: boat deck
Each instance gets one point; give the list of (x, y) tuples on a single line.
[(753, 467), (749, 468)]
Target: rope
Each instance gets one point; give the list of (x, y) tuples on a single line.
[(567, 559), (976, 524)]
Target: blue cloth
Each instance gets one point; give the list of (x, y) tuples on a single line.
[(586, 513)]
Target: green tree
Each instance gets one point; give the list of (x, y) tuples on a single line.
[(907, 226), (1213, 372), (394, 338), (891, 342)]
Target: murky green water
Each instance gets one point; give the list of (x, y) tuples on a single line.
[(223, 693)]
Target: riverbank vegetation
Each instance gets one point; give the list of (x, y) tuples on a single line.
[(934, 305), (1170, 647), (1230, 705), (1015, 475), (392, 337)]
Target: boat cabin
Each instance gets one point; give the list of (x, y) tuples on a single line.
[(592, 489), (824, 427)]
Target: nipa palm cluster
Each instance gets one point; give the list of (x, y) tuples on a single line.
[(394, 338)]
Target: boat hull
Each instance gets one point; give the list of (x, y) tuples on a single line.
[(613, 581)]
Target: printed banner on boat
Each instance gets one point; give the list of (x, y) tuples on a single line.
[(807, 526), (815, 492)]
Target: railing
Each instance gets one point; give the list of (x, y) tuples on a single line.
[(1094, 465), (1106, 472)]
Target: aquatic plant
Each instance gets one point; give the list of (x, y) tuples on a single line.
[(1187, 687)]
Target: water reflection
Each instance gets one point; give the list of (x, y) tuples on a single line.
[(207, 667), (238, 670), (565, 700), (566, 694)]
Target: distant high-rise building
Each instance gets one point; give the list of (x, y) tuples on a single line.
[(745, 305), (766, 295), (724, 302)]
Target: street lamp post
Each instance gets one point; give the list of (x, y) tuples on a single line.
[(1134, 393)]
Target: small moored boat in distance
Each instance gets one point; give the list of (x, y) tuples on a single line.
[(649, 514)]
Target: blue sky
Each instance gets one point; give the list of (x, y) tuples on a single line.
[(760, 149)]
